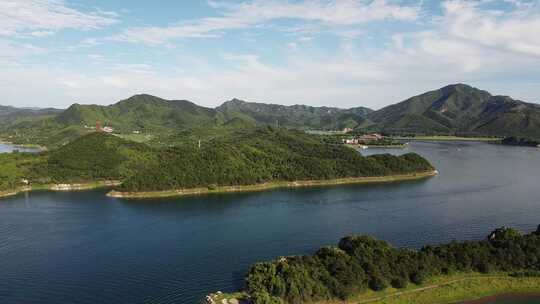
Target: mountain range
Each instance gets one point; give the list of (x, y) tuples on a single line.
[(461, 109), (457, 108)]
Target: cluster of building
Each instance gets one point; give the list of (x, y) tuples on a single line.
[(99, 128), (363, 139)]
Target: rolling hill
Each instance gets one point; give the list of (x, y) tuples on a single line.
[(242, 157), (163, 119), (10, 115), (296, 116), (454, 109), (460, 109), (140, 113)]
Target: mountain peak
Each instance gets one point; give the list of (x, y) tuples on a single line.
[(236, 100)]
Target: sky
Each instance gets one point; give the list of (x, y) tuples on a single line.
[(344, 53)]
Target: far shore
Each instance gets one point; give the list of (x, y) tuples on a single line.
[(448, 138), (61, 187), (360, 146), (271, 185)]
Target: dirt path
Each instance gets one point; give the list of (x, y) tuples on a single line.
[(399, 293)]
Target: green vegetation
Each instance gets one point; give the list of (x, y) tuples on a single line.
[(297, 116), (260, 156), (272, 185), (361, 265), (230, 157), (447, 289), (14, 167), (91, 159), (142, 114), (457, 110), (97, 157)]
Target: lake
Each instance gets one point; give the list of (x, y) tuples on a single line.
[(6, 148), (82, 247)]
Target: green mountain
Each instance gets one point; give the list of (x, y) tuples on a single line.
[(141, 113), (11, 115), (455, 109), (360, 265), (91, 158), (296, 116), (460, 109), (263, 155)]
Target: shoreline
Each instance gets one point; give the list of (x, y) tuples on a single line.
[(363, 147), (271, 185), (25, 146), (448, 138), (61, 187)]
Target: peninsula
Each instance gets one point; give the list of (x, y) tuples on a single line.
[(240, 160), (362, 269)]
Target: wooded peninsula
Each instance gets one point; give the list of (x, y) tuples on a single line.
[(360, 267), (239, 160)]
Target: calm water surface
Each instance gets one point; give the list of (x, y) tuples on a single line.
[(6, 148), (83, 247)]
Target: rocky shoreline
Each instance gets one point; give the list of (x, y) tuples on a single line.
[(271, 185), (61, 187)]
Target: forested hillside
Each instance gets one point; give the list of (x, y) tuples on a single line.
[(91, 158), (296, 116), (455, 109), (458, 109), (236, 158), (361, 263), (264, 155), (140, 114)]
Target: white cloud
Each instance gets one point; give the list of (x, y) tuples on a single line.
[(11, 51), (43, 17), (517, 30), (249, 14), (453, 47)]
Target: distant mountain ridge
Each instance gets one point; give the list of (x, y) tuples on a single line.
[(457, 108), (295, 116), (9, 114)]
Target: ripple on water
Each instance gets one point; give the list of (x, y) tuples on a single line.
[(83, 247)]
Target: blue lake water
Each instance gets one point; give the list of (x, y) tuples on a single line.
[(82, 247), (6, 148)]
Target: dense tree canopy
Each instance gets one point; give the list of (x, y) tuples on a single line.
[(359, 263), (235, 158), (264, 155)]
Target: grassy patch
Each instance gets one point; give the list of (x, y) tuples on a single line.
[(452, 289), (140, 138)]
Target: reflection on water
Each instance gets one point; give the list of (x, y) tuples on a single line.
[(83, 247)]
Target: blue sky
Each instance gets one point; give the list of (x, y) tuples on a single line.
[(341, 53)]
